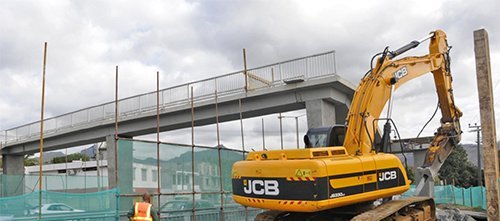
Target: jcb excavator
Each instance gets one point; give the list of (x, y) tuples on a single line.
[(343, 170)]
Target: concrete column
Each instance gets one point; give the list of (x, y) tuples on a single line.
[(124, 166), (320, 113), (419, 157), (110, 157), (13, 168), (488, 128), (341, 111)]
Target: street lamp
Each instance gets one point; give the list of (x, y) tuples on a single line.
[(296, 127)]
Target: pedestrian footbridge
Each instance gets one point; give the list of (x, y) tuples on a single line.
[(309, 82)]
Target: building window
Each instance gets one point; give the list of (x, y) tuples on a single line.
[(155, 175), (133, 174), (174, 178), (144, 174)]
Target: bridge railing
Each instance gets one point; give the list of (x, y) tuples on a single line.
[(272, 75)]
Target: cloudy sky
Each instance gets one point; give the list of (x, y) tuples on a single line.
[(193, 40)]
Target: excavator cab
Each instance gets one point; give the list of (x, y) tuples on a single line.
[(330, 136)]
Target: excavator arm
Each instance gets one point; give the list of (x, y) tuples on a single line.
[(377, 88)]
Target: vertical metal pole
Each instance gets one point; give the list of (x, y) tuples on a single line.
[(263, 136), (479, 174), (281, 72), (245, 69), (241, 127), (477, 129), (488, 127), (116, 127), (463, 196), (84, 174), (41, 134), (281, 130), (242, 145), (220, 160), (306, 76), (297, 130), (453, 191), (158, 168), (98, 154), (192, 152), (66, 168), (272, 75), (334, 63)]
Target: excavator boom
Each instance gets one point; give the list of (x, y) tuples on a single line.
[(377, 87)]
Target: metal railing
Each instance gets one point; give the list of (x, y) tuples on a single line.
[(304, 68)]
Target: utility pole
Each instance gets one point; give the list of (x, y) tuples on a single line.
[(488, 127), (477, 128)]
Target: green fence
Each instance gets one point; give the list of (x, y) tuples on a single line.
[(61, 206), (471, 197), (186, 182), (11, 185)]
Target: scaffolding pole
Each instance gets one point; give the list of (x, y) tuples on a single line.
[(41, 134)]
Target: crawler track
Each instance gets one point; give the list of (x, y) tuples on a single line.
[(409, 209)]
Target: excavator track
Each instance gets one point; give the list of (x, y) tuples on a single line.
[(409, 209)]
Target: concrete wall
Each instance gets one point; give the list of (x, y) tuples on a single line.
[(12, 165)]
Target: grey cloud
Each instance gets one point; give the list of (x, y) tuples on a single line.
[(192, 40)]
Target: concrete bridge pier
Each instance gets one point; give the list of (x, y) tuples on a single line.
[(325, 112), (125, 169), (13, 167)]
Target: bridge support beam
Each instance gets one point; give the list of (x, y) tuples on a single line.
[(13, 167), (323, 112)]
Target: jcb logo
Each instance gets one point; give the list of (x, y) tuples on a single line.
[(389, 175), (401, 73), (261, 187)]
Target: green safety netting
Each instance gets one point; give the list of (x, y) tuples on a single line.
[(11, 185), (200, 172), (186, 173), (471, 197), (100, 205)]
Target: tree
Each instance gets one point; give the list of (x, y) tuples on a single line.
[(71, 158), (458, 169), (30, 161)]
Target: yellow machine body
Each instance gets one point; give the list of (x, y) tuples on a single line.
[(315, 179)]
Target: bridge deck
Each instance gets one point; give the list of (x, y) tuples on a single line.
[(267, 90)]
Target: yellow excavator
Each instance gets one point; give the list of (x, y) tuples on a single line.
[(344, 169)]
